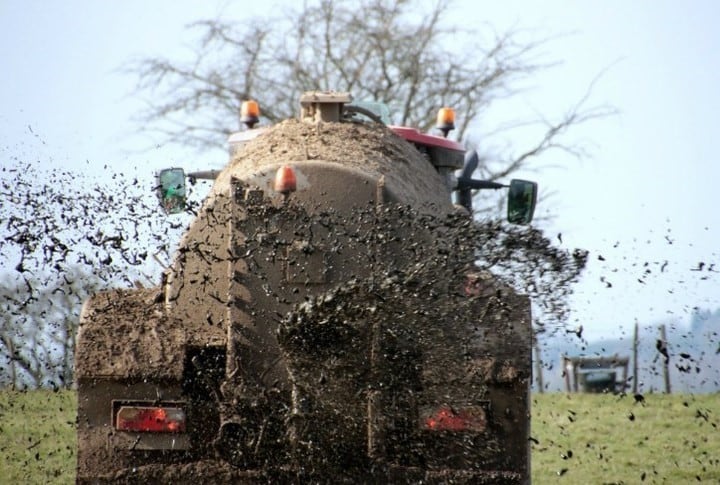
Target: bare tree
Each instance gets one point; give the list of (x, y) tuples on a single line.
[(38, 327), (393, 51)]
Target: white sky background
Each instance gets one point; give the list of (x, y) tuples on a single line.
[(653, 173)]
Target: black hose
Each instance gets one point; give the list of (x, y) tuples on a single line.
[(352, 109)]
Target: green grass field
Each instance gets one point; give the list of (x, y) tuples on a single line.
[(604, 439), (578, 439), (37, 437)]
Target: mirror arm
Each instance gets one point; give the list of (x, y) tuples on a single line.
[(475, 184), (204, 174), (466, 185)]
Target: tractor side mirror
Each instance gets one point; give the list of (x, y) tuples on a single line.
[(522, 197), (171, 190)]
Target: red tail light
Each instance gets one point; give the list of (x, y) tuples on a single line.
[(150, 419), (471, 418)]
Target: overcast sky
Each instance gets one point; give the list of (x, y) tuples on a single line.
[(647, 195)]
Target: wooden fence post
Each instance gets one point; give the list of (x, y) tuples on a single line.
[(666, 360), (635, 359), (538, 365)]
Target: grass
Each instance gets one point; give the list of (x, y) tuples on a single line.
[(580, 438), (37, 437), (604, 439)]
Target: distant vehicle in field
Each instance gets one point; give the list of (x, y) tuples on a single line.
[(322, 321), (595, 374)]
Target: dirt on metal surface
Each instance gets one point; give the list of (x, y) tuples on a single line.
[(209, 471), (398, 328), (130, 336), (371, 148)]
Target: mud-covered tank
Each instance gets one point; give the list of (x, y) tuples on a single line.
[(322, 322)]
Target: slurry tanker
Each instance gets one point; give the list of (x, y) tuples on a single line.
[(323, 320)]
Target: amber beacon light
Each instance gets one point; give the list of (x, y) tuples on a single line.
[(445, 120), (285, 180), (249, 113)]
